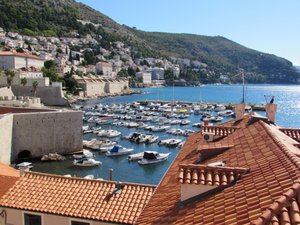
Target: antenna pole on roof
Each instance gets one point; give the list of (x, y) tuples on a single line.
[(243, 77)]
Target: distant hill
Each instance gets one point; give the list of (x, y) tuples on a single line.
[(223, 56)]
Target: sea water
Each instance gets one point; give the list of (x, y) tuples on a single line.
[(286, 96)]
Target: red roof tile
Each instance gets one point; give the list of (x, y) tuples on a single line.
[(272, 158), (78, 197), (20, 54)]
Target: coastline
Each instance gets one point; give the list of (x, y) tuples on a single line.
[(72, 99)]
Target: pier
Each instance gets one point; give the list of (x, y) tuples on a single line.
[(255, 107)]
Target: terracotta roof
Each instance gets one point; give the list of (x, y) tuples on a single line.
[(209, 175), (6, 182), (272, 158), (284, 210), (8, 171), (20, 54), (78, 197)]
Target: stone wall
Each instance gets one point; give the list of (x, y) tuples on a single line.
[(45, 132), (52, 96), (6, 129)]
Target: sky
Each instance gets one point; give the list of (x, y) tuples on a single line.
[(270, 26)]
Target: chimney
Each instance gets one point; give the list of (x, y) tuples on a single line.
[(111, 174), (271, 111), (239, 111)]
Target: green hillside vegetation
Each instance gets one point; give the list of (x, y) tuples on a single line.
[(223, 57)]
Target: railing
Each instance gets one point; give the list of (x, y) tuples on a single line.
[(293, 133), (219, 130)]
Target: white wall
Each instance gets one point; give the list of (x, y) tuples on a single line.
[(6, 123), (16, 217)]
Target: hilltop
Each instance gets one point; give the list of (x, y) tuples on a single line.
[(212, 59)]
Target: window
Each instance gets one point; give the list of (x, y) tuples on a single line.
[(30, 219), (79, 223)]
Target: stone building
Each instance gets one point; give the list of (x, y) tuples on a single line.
[(16, 60)]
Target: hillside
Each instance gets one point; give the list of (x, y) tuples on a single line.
[(222, 56)]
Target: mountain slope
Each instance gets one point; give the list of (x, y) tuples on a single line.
[(223, 57)]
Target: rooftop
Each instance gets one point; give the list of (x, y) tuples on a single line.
[(8, 53), (78, 197), (259, 183)]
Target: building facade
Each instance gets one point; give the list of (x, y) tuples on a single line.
[(16, 60)]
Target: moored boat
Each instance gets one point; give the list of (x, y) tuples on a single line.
[(118, 150), (151, 157)]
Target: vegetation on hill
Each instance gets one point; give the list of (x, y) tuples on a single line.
[(224, 58)]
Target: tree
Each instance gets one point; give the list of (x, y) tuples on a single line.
[(34, 86), (24, 81), (49, 64), (9, 77)]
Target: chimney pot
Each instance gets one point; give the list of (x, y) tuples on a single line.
[(239, 111), (271, 111)]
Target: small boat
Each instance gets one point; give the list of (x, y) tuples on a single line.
[(86, 162), (159, 128), (151, 157), (25, 166), (199, 125), (170, 142), (174, 122), (136, 156), (85, 154), (109, 133), (91, 176), (185, 122), (226, 113), (216, 118), (118, 150), (220, 108)]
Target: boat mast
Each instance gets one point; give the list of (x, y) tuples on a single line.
[(243, 99)]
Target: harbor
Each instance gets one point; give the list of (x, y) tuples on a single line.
[(123, 116)]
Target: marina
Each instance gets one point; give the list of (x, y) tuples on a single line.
[(128, 115)]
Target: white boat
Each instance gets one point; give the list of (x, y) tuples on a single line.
[(86, 162), (148, 138), (216, 119), (119, 150), (91, 176), (85, 154), (151, 157), (185, 122), (174, 122), (159, 128), (226, 113), (109, 133), (220, 108), (136, 156), (25, 166), (170, 142)]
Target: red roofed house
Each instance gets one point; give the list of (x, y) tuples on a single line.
[(246, 171), (44, 199), (16, 60)]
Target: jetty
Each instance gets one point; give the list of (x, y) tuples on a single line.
[(255, 107)]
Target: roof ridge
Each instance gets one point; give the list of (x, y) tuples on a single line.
[(294, 159), (206, 166), (275, 208), (84, 179)]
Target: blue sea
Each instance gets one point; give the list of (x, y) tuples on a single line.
[(287, 97)]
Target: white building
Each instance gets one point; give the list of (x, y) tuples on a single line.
[(146, 76), (16, 60), (157, 73)]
